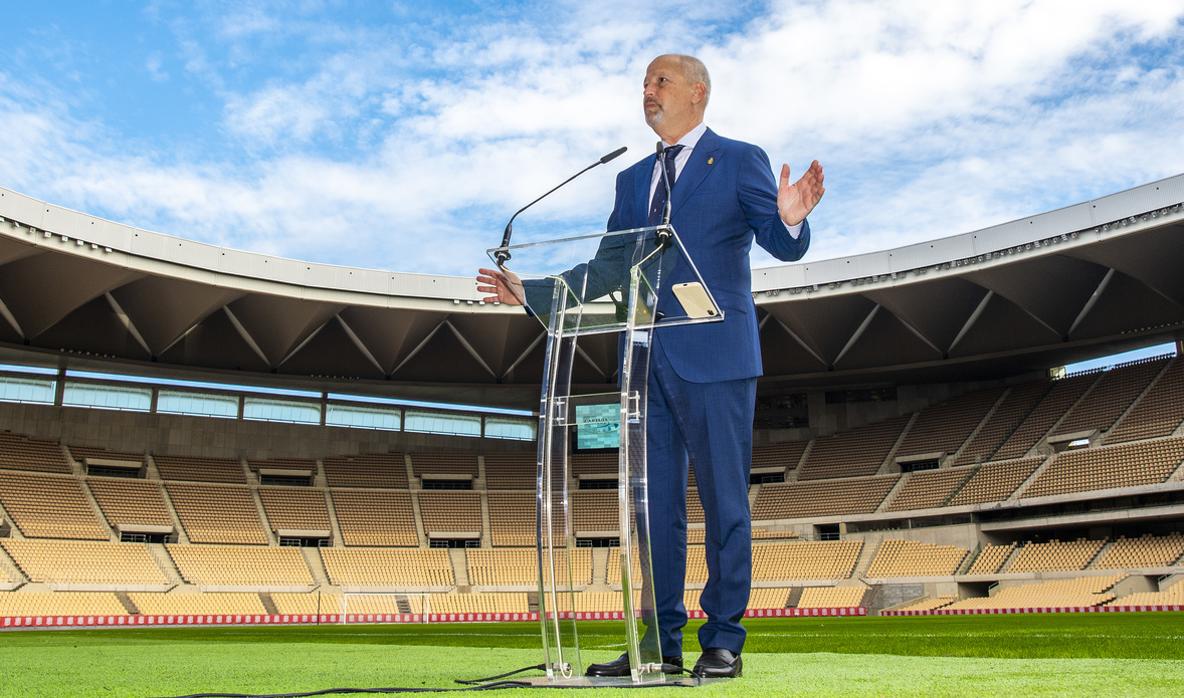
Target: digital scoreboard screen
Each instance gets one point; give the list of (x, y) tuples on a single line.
[(598, 427)]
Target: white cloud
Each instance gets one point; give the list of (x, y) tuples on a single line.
[(932, 119)]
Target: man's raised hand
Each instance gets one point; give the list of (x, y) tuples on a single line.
[(504, 284), (796, 201)]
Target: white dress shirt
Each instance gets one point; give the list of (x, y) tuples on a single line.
[(689, 142)]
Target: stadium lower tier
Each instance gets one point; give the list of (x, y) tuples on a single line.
[(72, 565), (1082, 593), (1063, 594)]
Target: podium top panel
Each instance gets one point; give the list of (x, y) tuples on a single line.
[(606, 282)]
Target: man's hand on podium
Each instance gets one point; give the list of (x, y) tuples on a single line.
[(796, 201), (503, 283)]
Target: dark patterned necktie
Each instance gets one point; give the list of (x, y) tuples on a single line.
[(658, 205)]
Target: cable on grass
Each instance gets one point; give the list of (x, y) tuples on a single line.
[(470, 685), (475, 682)]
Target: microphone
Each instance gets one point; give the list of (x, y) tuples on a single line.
[(503, 255), (664, 236)]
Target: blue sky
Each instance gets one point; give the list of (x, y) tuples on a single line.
[(402, 135)]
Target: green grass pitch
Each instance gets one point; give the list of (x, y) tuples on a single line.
[(1060, 654)]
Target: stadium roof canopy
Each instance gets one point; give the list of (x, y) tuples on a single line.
[(1029, 294)]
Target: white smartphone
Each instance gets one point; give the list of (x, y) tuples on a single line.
[(694, 300)]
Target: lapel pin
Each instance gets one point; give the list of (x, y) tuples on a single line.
[(710, 161)]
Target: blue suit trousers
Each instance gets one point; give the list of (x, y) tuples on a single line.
[(712, 424)]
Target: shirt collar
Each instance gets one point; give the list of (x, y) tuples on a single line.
[(691, 138)]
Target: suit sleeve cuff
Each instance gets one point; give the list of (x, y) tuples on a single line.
[(795, 231)]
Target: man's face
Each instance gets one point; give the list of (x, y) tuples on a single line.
[(669, 99)]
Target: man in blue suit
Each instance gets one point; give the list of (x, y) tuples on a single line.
[(702, 384)]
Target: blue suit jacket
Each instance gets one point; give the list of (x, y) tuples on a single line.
[(724, 198), (717, 211)]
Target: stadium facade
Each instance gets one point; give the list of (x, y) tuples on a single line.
[(243, 424)]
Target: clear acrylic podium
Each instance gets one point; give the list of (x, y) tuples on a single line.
[(630, 282)]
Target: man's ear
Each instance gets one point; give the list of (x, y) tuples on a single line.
[(700, 92)]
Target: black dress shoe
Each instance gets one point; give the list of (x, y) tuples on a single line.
[(620, 666), (718, 663)]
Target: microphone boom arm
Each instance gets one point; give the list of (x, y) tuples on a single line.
[(503, 255)]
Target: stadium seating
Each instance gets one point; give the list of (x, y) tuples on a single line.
[(1012, 410), (694, 507), (450, 512), (1171, 596), (763, 598), (1064, 593), (795, 500), (229, 565), (377, 603), (1114, 393), (1158, 413), (1121, 465), (1059, 398), (60, 603), (594, 464), (19, 452), (295, 508), (832, 597), (125, 502), (61, 538), (9, 578), (758, 533), (477, 603), (48, 506), (323, 601), (696, 571), (927, 604), (594, 510), (778, 562), (602, 601), (927, 489), (85, 562), (991, 558), (369, 517), (217, 513), (908, 558), (995, 482), (378, 470), (783, 455), (388, 568), (512, 518), (174, 603), (510, 471), (1145, 551), (493, 568), (1055, 555), (853, 453), (444, 463), (200, 469), (942, 428)]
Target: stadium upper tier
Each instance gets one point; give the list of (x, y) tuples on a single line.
[(1024, 295)]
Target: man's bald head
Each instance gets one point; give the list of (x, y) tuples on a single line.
[(676, 90), (695, 71)]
